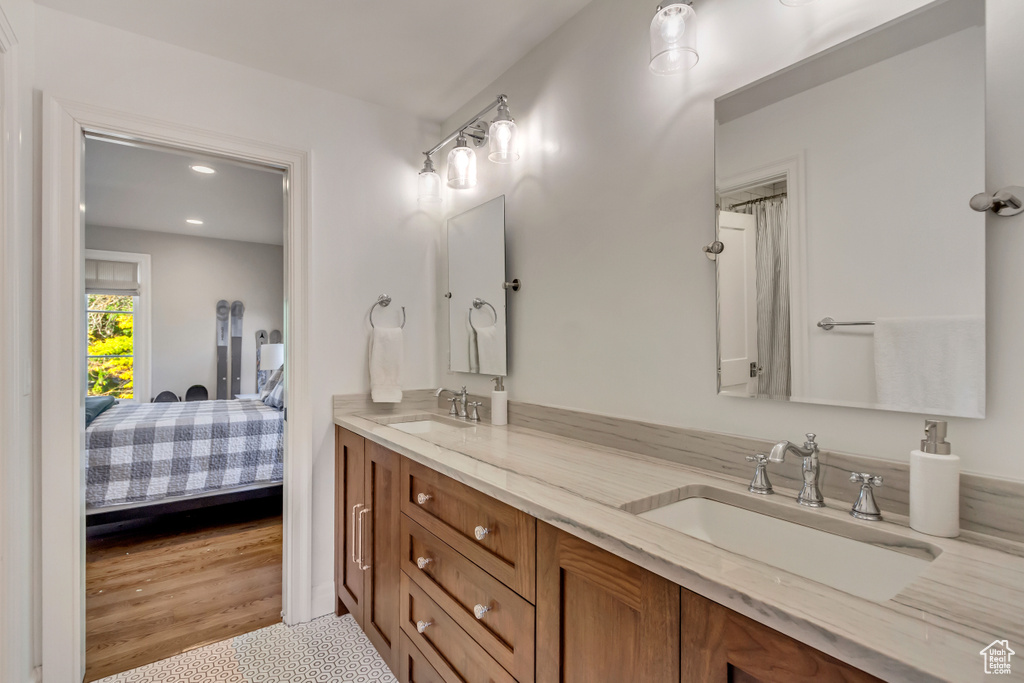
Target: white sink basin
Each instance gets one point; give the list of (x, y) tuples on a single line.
[(868, 568), (425, 423)]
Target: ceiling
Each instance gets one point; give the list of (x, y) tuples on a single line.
[(141, 188), (425, 57)]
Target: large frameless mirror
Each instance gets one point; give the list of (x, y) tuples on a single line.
[(853, 269)]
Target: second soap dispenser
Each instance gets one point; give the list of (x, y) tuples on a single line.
[(935, 484)]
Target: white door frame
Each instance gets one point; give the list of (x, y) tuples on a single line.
[(63, 371)]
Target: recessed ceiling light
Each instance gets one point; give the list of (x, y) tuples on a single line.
[(193, 221), (198, 168)]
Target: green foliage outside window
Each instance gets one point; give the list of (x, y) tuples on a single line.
[(111, 361)]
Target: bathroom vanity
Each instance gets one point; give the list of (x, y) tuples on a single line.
[(517, 555)]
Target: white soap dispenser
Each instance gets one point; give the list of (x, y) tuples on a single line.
[(499, 402), (935, 484)]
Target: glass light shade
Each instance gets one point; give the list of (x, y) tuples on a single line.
[(674, 39), (503, 145), (429, 186), (462, 167)]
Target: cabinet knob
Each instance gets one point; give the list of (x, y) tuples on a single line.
[(422, 562), (480, 610), (423, 498), (421, 626), (480, 532)]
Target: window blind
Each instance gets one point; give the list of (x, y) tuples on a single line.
[(111, 277)]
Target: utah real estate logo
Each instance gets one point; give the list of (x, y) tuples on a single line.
[(997, 657)]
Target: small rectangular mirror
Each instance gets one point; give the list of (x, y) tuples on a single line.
[(476, 296), (853, 269)]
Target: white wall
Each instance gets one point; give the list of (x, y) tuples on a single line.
[(188, 276), (614, 197), (885, 236), (368, 234)]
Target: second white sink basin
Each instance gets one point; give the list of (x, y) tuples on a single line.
[(425, 423), (865, 568)]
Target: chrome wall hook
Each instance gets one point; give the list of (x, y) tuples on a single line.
[(713, 250), (1008, 201)]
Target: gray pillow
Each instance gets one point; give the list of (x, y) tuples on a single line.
[(273, 391)]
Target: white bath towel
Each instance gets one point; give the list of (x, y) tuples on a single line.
[(489, 349), (386, 356), (933, 365)]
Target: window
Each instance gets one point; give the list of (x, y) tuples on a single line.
[(117, 324)]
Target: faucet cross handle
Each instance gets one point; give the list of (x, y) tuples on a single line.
[(865, 479), (809, 444), (760, 483), (865, 506)]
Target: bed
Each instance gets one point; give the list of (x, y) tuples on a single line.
[(181, 456)]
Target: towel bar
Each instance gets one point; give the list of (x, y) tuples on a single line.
[(384, 301), (828, 323)]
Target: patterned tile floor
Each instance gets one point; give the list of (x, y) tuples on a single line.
[(327, 649)]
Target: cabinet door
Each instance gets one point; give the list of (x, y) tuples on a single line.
[(380, 527), (601, 619), (348, 502), (722, 646)]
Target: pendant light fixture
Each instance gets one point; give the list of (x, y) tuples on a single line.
[(503, 136), (674, 38), (429, 183), (461, 165)]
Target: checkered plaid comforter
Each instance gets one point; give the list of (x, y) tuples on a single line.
[(146, 452)]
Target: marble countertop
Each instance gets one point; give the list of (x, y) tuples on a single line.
[(932, 630)]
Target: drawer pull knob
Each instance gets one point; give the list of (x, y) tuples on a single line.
[(480, 610), (480, 532), (423, 498), (422, 562), (421, 626)]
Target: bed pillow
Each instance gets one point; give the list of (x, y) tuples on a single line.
[(273, 391), (96, 406)]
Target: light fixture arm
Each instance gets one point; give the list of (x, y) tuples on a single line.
[(499, 100)]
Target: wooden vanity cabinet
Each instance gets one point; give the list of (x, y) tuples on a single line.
[(600, 618), (367, 516), (719, 645)]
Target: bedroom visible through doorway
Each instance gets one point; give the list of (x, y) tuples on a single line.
[(184, 287)]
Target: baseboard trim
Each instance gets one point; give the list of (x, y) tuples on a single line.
[(323, 601)]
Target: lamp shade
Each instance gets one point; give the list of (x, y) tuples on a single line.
[(271, 356), (429, 186), (461, 166), (674, 39)]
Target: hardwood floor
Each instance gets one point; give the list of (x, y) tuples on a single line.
[(160, 587)]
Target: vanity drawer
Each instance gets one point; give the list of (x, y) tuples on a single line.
[(413, 667), (506, 630), (448, 649), (500, 539)]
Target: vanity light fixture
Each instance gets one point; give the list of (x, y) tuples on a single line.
[(429, 182), (193, 221), (500, 135), (674, 38), (205, 170), (461, 165)]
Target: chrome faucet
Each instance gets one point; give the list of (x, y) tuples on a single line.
[(810, 494), (458, 400)]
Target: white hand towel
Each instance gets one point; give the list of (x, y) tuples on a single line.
[(386, 356), (474, 355), (489, 350), (933, 365)]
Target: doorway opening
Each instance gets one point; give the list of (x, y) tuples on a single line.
[(184, 436)]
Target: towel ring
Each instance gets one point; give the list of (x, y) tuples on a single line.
[(479, 303), (384, 301)]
